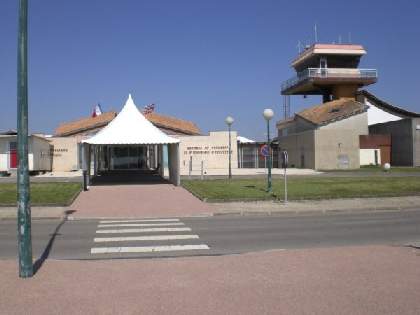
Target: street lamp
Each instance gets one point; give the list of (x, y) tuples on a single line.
[(229, 121), (268, 114)]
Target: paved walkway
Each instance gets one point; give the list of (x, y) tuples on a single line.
[(138, 200), (347, 280)]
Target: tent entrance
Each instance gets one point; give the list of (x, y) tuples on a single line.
[(128, 158), (125, 157)]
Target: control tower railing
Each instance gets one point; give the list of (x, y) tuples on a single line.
[(330, 73)]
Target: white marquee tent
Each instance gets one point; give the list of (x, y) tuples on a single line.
[(130, 127)]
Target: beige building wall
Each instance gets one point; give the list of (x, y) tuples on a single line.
[(300, 149), (357, 123), (367, 156), (212, 150), (65, 154), (336, 149), (39, 154)]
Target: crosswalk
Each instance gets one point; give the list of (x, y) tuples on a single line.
[(144, 236)]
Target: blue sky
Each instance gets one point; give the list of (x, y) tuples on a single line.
[(197, 60)]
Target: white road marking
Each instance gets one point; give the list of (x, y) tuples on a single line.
[(144, 230), (135, 220), (139, 224), (146, 249), (146, 238)]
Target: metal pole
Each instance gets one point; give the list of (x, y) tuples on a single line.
[(285, 185), (230, 156), (269, 188), (23, 206), (190, 167)]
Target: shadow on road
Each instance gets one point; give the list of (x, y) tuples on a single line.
[(40, 261)]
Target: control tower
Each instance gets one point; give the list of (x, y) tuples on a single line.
[(330, 70)]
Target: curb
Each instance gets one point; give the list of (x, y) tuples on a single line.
[(203, 215), (309, 212)]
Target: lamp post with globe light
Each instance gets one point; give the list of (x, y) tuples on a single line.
[(229, 121), (268, 114)]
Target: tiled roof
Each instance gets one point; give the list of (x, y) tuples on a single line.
[(331, 111), (162, 121), (285, 121), (88, 123), (176, 124), (10, 132)]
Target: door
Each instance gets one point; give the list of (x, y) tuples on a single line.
[(323, 67), (13, 155)]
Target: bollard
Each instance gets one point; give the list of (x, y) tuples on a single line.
[(85, 180)]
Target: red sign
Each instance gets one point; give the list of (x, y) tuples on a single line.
[(264, 150)]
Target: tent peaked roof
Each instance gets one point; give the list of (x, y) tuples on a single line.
[(130, 127)]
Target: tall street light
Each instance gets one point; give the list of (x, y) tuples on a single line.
[(23, 207), (229, 121), (268, 114)]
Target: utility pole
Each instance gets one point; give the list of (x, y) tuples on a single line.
[(23, 204)]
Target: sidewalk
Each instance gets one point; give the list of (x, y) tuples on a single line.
[(239, 208), (345, 280), (319, 206), (36, 212)]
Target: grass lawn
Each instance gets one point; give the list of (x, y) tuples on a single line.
[(57, 194), (304, 188)]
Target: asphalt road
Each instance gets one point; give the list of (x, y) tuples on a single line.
[(219, 235)]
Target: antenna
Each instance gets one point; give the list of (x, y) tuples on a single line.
[(316, 33), (299, 46), (339, 39), (286, 106)]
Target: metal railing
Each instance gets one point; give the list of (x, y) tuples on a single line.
[(330, 73)]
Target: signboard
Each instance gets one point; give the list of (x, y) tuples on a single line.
[(264, 150), (285, 159)]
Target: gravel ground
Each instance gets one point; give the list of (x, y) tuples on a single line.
[(346, 280)]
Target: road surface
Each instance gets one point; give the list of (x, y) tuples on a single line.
[(221, 235)]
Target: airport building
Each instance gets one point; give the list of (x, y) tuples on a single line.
[(199, 154), (39, 148), (350, 127)]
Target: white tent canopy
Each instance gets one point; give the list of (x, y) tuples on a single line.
[(130, 127), (244, 140)]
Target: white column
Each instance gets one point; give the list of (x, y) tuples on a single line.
[(174, 164), (86, 160), (160, 160)]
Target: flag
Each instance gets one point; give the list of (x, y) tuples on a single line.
[(97, 110), (149, 109)]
